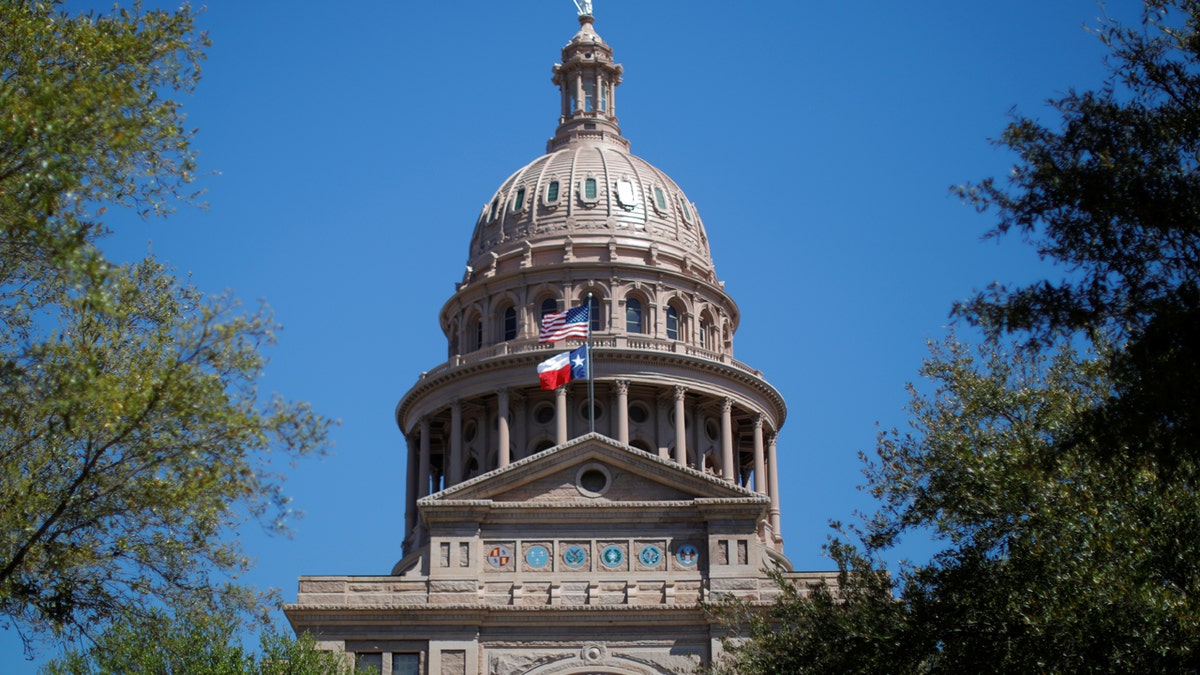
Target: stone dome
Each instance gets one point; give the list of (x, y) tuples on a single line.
[(593, 189), (588, 189)]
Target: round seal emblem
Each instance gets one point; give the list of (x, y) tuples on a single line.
[(612, 556), (687, 555), (499, 556), (650, 555), (574, 556), (537, 556)]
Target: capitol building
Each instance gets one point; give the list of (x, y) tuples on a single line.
[(575, 530)]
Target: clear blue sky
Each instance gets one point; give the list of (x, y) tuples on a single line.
[(350, 147)]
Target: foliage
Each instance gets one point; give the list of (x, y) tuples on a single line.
[(1061, 489), (198, 641), (1113, 196), (1050, 560), (86, 123), (132, 433)]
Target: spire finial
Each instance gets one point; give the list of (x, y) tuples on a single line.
[(584, 7)]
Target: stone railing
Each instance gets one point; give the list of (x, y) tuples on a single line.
[(378, 592), (633, 343)]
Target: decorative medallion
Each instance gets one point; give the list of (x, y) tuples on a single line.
[(500, 556), (687, 555), (612, 556), (650, 555), (574, 556), (537, 556)]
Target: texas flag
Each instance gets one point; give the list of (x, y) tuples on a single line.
[(560, 369)]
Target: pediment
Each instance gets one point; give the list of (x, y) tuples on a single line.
[(593, 470)]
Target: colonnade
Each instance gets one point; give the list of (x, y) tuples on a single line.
[(420, 444)]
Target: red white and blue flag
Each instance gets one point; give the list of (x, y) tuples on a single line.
[(561, 325), (560, 369)]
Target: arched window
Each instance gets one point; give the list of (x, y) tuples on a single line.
[(510, 323), (548, 305), (474, 334), (595, 316), (672, 323), (703, 334), (633, 315)]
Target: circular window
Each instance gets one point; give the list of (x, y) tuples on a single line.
[(638, 413), (544, 414), (592, 480), (641, 445), (584, 410), (711, 429)]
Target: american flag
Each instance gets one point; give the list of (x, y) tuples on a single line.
[(560, 325)]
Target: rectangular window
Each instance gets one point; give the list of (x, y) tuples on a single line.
[(370, 661), (625, 194), (660, 199), (589, 188), (589, 95), (552, 192), (406, 664), (519, 202)]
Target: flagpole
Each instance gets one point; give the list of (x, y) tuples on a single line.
[(591, 383)]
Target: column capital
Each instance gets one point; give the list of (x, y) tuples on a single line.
[(622, 387), (726, 405), (680, 392)]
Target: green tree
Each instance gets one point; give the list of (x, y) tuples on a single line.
[(1062, 490), (1050, 560), (1111, 194), (132, 434), (196, 640)]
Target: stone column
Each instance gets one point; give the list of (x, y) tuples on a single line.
[(454, 471), (773, 459), (660, 426), (680, 426), (518, 434), (560, 415), (423, 463), (623, 411), (580, 104), (411, 486), (727, 468), (504, 453), (760, 478)]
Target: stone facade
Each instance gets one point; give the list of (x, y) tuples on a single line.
[(575, 530)]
